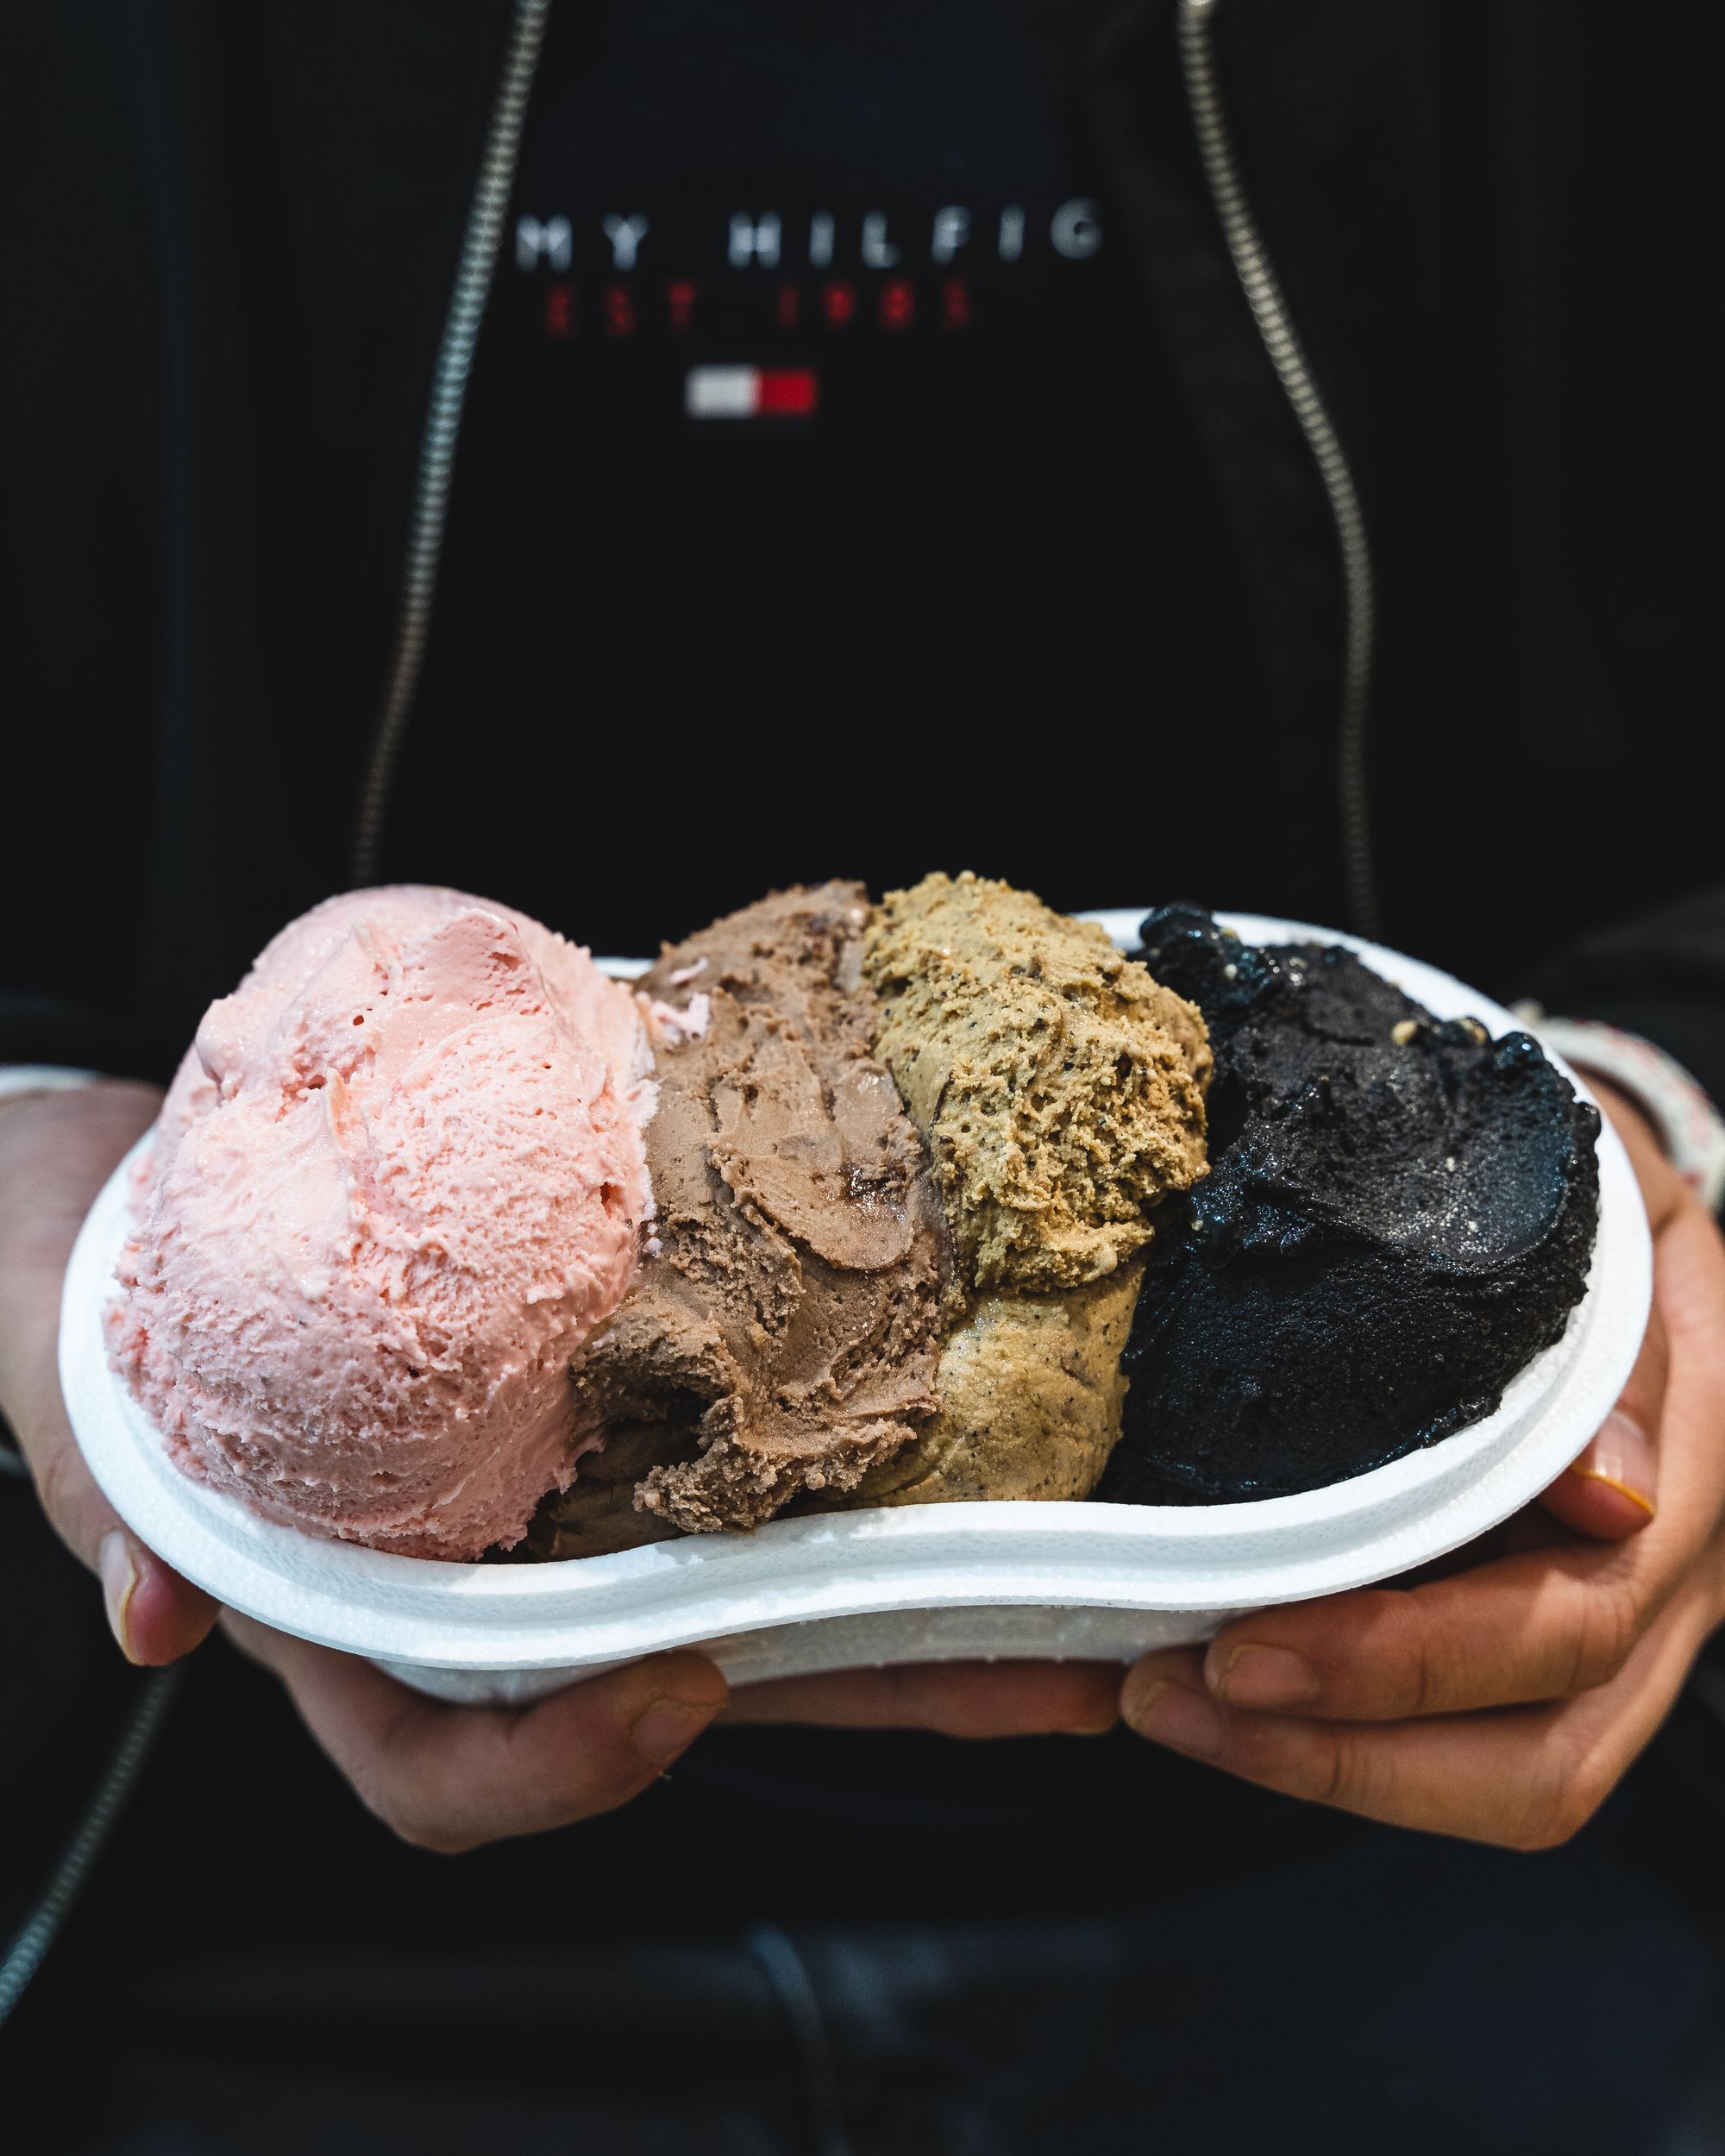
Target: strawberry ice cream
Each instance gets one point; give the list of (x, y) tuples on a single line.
[(399, 1180)]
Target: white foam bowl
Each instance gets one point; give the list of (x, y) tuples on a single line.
[(911, 1583)]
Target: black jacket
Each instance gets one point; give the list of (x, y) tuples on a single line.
[(230, 235)]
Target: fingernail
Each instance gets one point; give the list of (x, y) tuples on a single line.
[(668, 1726), (119, 1584), (1267, 1676), (1623, 1456), (1099, 1728), (1168, 1715)]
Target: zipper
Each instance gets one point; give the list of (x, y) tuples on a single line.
[(430, 514), (1280, 341), (1257, 281), (31, 1942), (473, 272)]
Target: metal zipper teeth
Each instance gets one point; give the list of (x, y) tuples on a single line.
[(31, 1942), (1281, 339), (473, 273)]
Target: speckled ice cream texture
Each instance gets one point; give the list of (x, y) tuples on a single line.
[(1060, 1089), (1400, 1215)]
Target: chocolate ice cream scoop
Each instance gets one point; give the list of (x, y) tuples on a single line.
[(1399, 1215), (783, 1333)]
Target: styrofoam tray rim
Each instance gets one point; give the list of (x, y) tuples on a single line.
[(585, 1612)]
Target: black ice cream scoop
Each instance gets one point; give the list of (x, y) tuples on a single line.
[(1399, 1215)]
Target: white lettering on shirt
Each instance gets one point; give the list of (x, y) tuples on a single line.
[(625, 234), (1012, 234), (878, 250), (821, 239), (1077, 230), (951, 230), (755, 242), (553, 242)]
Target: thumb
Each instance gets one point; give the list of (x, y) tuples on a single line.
[(1612, 1491), (154, 1614), (57, 1151)]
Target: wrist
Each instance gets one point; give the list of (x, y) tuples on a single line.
[(1630, 1119), (56, 1151), (94, 1104), (1681, 1120), (23, 1080)]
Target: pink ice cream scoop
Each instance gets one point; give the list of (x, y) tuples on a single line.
[(398, 1181)]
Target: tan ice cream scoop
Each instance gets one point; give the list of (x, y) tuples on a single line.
[(1060, 1089), (1030, 1398)]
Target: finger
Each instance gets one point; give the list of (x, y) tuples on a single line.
[(1525, 1778), (1689, 1282), (450, 1778), (1542, 1625), (1689, 1294), (1662, 1188), (956, 1699), (1610, 1493), (1607, 1494), (55, 1153), (154, 1614)]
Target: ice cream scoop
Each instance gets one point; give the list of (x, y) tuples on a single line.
[(1031, 1396), (398, 1181), (1060, 1089), (1400, 1214), (783, 1335), (816, 1329)]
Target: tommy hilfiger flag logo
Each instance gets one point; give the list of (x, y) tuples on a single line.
[(750, 392)]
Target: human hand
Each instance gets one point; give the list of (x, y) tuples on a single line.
[(56, 1151), (449, 1777), (1503, 1703)]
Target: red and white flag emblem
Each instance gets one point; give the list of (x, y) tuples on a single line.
[(750, 392)]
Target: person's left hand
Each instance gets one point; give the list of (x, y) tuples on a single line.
[(1504, 1703)]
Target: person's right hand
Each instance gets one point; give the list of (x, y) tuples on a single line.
[(56, 1151), (444, 1777), (447, 1778)]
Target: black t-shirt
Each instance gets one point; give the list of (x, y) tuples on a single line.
[(822, 505)]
